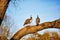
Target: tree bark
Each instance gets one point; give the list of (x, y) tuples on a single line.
[(32, 29), (3, 8)]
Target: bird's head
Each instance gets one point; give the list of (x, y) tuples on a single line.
[(30, 17)]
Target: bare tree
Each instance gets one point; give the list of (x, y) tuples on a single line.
[(6, 26)]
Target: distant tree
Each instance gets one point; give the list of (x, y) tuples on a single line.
[(6, 25)]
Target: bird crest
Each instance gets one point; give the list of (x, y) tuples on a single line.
[(37, 16)]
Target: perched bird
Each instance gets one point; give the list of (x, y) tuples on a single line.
[(37, 20), (28, 21)]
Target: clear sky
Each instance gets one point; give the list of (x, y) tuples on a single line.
[(47, 10)]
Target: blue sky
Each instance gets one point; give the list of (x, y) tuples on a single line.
[(47, 10)]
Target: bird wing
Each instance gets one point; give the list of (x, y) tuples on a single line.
[(37, 20), (27, 21)]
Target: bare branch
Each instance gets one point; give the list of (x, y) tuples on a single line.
[(32, 29)]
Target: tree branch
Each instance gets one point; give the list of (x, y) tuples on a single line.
[(32, 29), (3, 8)]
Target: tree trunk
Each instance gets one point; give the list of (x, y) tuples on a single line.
[(32, 29), (3, 7)]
